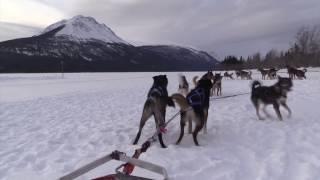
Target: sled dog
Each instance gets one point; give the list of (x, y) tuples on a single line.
[(194, 108), (155, 105), (275, 95)]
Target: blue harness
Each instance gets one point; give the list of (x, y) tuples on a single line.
[(196, 98)]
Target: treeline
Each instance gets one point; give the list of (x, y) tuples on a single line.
[(303, 52)]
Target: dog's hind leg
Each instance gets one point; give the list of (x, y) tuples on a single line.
[(190, 126), (213, 91), (276, 108), (182, 124), (284, 104), (205, 131), (161, 141), (145, 116), (256, 104), (198, 128), (159, 117), (265, 111)]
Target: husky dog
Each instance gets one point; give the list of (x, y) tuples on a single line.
[(237, 72), (291, 71), (245, 74), (296, 73), (275, 95), (263, 72), (156, 103), (227, 75), (300, 74), (272, 73), (217, 81), (209, 75), (183, 85), (194, 108)]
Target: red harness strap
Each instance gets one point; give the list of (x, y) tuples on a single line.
[(128, 167)]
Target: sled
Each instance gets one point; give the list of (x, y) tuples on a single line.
[(130, 162), (120, 156)]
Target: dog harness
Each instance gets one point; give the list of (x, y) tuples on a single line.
[(157, 91), (196, 98), (183, 86)]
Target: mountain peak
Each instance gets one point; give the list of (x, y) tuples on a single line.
[(85, 28)]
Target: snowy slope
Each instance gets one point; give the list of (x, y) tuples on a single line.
[(84, 45), (50, 126), (85, 28)]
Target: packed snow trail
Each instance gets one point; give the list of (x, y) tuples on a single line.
[(50, 126)]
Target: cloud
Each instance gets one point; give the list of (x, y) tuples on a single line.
[(239, 27), (28, 12), (13, 31)]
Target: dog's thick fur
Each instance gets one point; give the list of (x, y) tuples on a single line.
[(208, 75), (217, 85), (291, 71), (272, 73), (244, 74), (275, 95), (155, 105), (227, 75), (190, 113), (183, 85), (296, 73), (263, 72)]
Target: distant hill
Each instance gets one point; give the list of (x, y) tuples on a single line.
[(84, 45)]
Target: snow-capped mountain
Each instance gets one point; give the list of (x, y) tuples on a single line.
[(83, 44), (84, 28)]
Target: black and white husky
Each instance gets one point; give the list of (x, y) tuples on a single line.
[(227, 75), (244, 74), (275, 95), (155, 105)]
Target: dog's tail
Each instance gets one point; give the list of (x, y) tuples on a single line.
[(180, 100), (255, 84), (194, 79)]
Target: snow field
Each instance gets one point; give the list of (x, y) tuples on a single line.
[(50, 126)]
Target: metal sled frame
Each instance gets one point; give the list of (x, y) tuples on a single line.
[(120, 156)]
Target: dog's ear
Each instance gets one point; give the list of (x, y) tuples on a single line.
[(155, 78)]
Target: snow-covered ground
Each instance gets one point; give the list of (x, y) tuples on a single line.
[(50, 126)]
